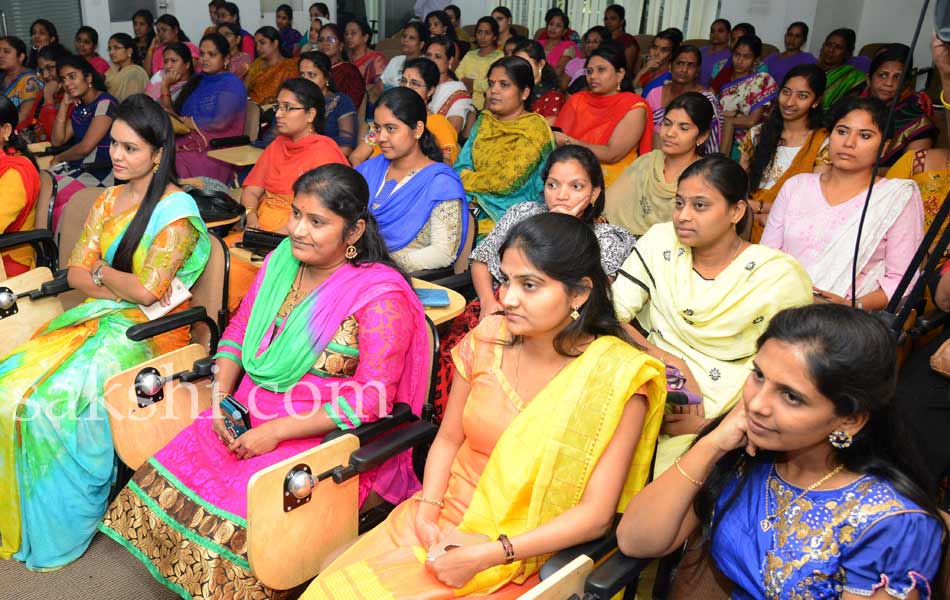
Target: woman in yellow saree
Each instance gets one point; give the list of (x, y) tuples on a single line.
[(56, 455), (550, 426), (703, 295)]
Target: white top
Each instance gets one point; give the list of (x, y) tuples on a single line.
[(443, 92), (393, 71)]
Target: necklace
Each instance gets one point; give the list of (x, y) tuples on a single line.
[(294, 296), (520, 398), (766, 523)]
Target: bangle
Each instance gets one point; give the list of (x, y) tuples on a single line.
[(97, 274), (509, 549), (423, 499), (943, 101), (676, 463), (166, 95)]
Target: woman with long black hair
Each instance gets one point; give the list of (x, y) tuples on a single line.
[(56, 442), (807, 488)]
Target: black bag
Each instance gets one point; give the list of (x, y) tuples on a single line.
[(261, 242), (215, 207)]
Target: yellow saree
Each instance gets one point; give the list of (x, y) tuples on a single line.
[(713, 325), (516, 470)]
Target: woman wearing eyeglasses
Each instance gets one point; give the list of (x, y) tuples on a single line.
[(421, 75), (346, 76), (268, 188)]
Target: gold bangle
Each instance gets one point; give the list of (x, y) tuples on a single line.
[(946, 106), (425, 500), (676, 463)]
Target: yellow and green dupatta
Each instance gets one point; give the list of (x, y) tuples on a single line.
[(543, 461)]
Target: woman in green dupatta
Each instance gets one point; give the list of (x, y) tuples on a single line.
[(550, 426), (842, 78), (55, 441)]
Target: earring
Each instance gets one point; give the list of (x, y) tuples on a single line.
[(574, 314), (155, 168), (351, 252), (840, 439)]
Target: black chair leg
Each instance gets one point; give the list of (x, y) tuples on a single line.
[(665, 571)]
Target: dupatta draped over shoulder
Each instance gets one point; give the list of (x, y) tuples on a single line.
[(403, 214), (17, 208), (711, 324), (56, 441), (537, 469), (842, 81), (592, 118), (501, 162), (641, 196)]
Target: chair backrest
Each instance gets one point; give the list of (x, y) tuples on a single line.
[(72, 219), (69, 228), (252, 120), (210, 291), (391, 46), (461, 263), (698, 42), (470, 30), (44, 202), (519, 29), (768, 50), (645, 40), (870, 50)]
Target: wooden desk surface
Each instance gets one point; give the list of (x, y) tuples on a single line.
[(239, 156), (438, 315), (38, 146), (44, 162)]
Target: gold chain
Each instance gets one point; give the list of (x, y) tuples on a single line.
[(766, 523)]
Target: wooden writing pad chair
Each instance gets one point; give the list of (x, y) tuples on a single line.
[(308, 501)]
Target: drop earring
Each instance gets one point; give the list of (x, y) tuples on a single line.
[(351, 252), (575, 314)]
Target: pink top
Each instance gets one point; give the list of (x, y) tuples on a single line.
[(99, 64), (554, 56), (158, 57), (802, 224)]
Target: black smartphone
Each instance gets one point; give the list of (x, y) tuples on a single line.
[(237, 418)]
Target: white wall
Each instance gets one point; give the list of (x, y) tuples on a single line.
[(772, 17), (884, 21), (193, 16)]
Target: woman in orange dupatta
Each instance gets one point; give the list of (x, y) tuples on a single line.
[(268, 188), (613, 124), (550, 426), (790, 142), (270, 68), (19, 187)]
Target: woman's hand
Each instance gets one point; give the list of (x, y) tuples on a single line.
[(217, 424), (170, 78), (941, 57), (427, 524), (489, 308), (828, 297), (732, 432), (50, 89), (256, 441), (682, 424), (456, 567), (252, 222), (562, 138)]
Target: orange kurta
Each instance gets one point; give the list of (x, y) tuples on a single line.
[(386, 562)]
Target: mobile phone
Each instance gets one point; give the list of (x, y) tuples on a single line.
[(237, 418)]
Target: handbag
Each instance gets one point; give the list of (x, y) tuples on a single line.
[(940, 360), (214, 207)]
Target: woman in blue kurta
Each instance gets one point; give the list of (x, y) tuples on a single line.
[(417, 199), (806, 488)]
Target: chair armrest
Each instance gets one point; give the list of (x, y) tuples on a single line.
[(58, 285), (455, 281), (616, 573), (929, 322), (386, 447), (433, 274), (227, 142), (170, 322), (47, 254), (99, 165), (595, 549), (366, 433)]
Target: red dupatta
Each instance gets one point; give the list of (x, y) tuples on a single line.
[(31, 185), (592, 118)]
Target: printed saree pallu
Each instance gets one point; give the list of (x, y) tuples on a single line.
[(56, 442), (521, 466)]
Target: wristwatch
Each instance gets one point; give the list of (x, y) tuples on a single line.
[(97, 274)]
